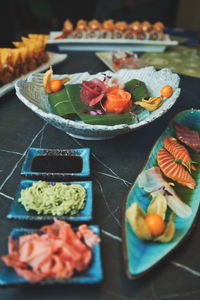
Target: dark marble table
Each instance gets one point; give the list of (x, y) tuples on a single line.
[(114, 166)]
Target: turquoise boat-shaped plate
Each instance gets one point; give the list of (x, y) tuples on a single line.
[(141, 257)]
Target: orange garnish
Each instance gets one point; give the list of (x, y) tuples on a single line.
[(155, 224), (118, 100), (166, 91), (55, 85)]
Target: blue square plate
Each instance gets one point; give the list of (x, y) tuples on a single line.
[(46, 156), (94, 274), (18, 211)]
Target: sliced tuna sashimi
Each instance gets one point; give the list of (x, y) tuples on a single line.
[(187, 136), (178, 151), (173, 170), (151, 180)]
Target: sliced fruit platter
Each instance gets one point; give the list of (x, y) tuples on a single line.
[(162, 204), (100, 106)]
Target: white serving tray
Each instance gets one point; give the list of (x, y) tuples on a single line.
[(109, 44)]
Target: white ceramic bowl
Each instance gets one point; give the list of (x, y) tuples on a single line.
[(31, 92)]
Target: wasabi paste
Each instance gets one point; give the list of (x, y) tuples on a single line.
[(57, 200)]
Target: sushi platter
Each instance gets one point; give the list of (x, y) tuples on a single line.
[(108, 36), (109, 44)]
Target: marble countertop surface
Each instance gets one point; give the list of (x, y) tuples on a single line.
[(115, 164)]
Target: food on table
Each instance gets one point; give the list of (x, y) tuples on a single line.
[(27, 55), (50, 163), (157, 31), (155, 224), (174, 170), (166, 91), (67, 30), (151, 104), (107, 29), (127, 59), (50, 85), (144, 34), (151, 226), (110, 29), (55, 251), (118, 101), (187, 136), (92, 91), (151, 180), (179, 152), (134, 29), (94, 28), (81, 30), (57, 200), (120, 30), (105, 101)]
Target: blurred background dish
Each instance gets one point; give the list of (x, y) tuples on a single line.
[(121, 60)]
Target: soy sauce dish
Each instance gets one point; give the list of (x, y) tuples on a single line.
[(56, 163)]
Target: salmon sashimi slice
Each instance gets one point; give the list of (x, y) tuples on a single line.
[(173, 170), (152, 181), (187, 136), (56, 251), (178, 151)]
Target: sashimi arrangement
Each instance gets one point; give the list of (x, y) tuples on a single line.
[(162, 204), (106, 101), (55, 251)]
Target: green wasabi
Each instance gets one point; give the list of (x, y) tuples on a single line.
[(57, 200)]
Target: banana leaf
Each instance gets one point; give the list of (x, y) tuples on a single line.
[(67, 104), (138, 89), (61, 104), (105, 119)]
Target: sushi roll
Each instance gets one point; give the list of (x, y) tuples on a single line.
[(120, 30), (157, 31), (146, 29), (81, 30), (94, 28), (107, 29), (134, 30), (66, 31)]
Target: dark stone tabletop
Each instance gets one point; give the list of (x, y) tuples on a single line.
[(115, 164)]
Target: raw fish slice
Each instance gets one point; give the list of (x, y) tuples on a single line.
[(178, 151), (187, 136), (152, 181), (174, 170)]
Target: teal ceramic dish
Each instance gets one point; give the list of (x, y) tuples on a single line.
[(18, 211), (56, 163), (141, 257), (93, 275)]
